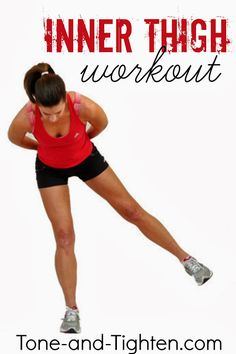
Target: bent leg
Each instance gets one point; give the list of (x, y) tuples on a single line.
[(56, 202), (109, 187)]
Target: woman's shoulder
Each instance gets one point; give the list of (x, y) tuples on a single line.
[(77, 97), (72, 95), (87, 107)]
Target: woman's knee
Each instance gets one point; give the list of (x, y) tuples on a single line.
[(131, 211), (64, 236)]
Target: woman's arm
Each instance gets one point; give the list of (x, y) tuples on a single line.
[(18, 129), (91, 112)]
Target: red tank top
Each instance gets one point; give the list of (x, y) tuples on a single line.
[(68, 150)]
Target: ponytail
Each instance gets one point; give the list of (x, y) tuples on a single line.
[(43, 86)]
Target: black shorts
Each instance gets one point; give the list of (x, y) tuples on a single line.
[(92, 166)]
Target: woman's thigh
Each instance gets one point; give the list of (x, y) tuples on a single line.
[(56, 201), (109, 187)]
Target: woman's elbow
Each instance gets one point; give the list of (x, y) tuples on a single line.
[(9, 135), (105, 123)]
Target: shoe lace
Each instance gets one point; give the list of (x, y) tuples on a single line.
[(71, 316), (193, 265)]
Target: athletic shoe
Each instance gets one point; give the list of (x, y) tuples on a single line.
[(71, 322), (200, 272)]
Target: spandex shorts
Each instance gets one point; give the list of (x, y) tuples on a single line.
[(92, 166)]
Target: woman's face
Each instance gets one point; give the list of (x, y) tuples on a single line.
[(54, 113)]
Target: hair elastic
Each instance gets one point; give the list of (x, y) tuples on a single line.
[(44, 73)]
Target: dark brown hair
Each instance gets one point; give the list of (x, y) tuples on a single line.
[(47, 89)]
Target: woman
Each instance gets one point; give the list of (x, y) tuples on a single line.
[(58, 119)]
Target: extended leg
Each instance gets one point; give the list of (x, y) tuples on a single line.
[(108, 186), (111, 189)]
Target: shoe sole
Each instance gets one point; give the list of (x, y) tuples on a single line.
[(206, 279), (71, 330)]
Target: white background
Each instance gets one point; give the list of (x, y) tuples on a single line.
[(172, 145)]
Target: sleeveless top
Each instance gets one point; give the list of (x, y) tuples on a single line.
[(68, 150)]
